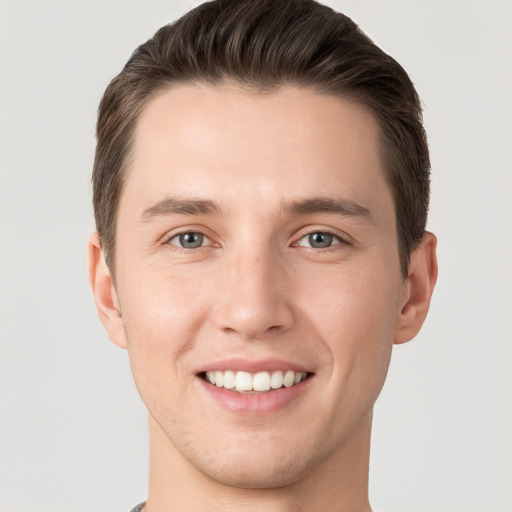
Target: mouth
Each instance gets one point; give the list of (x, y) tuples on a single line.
[(251, 387), (254, 383)]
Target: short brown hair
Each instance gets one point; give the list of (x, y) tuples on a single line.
[(264, 44)]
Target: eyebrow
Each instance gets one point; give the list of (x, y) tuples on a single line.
[(334, 205), (176, 205), (196, 206)]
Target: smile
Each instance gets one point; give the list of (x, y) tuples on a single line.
[(260, 382)]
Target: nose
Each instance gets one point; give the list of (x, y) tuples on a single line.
[(253, 298)]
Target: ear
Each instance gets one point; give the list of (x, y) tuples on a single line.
[(105, 296), (418, 289)]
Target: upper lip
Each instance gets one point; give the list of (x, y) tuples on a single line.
[(253, 366)]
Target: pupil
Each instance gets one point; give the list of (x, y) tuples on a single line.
[(320, 240), (191, 240)]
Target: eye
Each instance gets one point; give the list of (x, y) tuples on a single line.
[(189, 240), (319, 240)]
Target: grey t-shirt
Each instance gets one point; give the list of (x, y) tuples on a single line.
[(140, 507)]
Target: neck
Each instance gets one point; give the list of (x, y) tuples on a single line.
[(339, 483)]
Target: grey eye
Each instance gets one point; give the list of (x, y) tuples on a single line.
[(320, 240), (191, 240)]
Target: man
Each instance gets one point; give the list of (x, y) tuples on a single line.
[(261, 189)]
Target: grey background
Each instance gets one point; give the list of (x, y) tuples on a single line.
[(73, 433)]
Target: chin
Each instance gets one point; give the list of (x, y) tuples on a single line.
[(254, 461), (247, 474)]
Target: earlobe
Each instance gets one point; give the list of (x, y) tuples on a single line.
[(105, 296), (418, 289)]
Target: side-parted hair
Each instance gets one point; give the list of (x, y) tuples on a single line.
[(263, 45)]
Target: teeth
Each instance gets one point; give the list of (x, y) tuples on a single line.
[(260, 382), (229, 380), (276, 380), (243, 381), (288, 379)]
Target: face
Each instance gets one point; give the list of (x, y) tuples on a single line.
[(258, 277)]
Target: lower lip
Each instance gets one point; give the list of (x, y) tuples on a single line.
[(255, 404)]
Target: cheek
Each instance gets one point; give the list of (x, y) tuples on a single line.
[(354, 301), (161, 316), (355, 317), (160, 306)]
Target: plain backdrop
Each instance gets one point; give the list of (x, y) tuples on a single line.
[(73, 431)]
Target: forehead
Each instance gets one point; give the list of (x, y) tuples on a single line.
[(228, 142)]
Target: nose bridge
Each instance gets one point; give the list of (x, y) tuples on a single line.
[(253, 294)]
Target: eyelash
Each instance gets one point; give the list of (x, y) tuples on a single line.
[(341, 240), (183, 233)]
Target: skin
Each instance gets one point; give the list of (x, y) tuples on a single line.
[(256, 289)]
